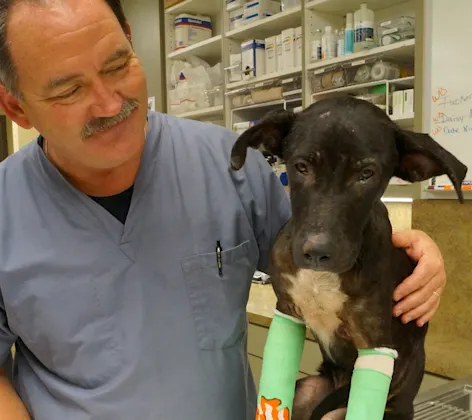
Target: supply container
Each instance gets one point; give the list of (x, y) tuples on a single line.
[(235, 74), (260, 9), (316, 46), (298, 46), (340, 43), (233, 4), (364, 19), (236, 18), (253, 58), (280, 52), (267, 94), (191, 29), (271, 55), (396, 30), (328, 44), (349, 34), (288, 40)]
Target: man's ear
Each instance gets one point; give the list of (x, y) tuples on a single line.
[(128, 32), (270, 132), (12, 108), (421, 158)]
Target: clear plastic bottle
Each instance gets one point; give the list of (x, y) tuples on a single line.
[(349, 34), (316, 46), (328, 43), (364, 28), (340, 43)]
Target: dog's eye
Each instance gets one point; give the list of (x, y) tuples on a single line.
[(366, 174), (302, 168)]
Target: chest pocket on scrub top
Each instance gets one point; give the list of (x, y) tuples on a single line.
[(218, 303)]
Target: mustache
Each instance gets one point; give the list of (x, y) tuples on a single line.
[(105, 123)]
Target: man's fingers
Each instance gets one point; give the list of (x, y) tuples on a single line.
[(427, 317), (339, 414), (416, 280), (419, 300), (403, 239), (419, 311)]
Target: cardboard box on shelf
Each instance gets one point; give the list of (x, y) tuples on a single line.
[(268, 94), (271, 55), (397, 102), (253, 58), (288, 40), (260, 9), (408, 101)]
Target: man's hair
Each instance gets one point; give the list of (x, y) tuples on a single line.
[(8, 73)]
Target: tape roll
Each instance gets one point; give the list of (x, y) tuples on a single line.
[(384, 71), (363, 74)]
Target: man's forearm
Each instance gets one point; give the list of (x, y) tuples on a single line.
[(12, 407)]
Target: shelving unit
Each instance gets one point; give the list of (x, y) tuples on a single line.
[(269, 26), (398, 51), (258, 81), (208, 50), (310, 15)]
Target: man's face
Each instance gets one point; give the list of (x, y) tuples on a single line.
[(77, 70)]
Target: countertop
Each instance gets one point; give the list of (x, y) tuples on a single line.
[(444, 357)]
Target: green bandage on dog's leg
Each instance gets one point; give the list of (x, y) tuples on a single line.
[(370, 384), (280, 365)]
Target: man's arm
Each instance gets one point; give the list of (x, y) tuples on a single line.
[(12, 407), (268, 203)]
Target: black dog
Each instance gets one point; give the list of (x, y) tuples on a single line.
[(334, 265)]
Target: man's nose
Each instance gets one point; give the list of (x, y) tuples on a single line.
[(318, 249), (106, 102)]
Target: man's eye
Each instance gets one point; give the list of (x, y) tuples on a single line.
[(118, 68), (68, 94)]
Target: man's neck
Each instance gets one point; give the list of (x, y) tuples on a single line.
[(93, 181)]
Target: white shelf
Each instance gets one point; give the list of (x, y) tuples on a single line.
[(208, 50), (195, 7), (269, 26), (407, 82), (213, 111), (341, 7), (286, 73), (404, 120), (397, 51)]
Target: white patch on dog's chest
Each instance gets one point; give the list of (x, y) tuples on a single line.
[(319, 297)]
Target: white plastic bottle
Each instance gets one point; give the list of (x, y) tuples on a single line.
[(349, 35), (328, 43), (340, 43), (364, 28), (316, 49)]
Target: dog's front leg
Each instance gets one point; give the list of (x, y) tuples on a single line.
[(309, 392)]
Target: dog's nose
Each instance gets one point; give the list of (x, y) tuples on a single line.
[(317, 249)]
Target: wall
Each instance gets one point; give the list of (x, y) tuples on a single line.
[(21, 137), (144, 16)]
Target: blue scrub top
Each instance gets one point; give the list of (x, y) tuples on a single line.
[(134, 321)]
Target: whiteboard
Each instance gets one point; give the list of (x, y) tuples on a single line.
[(447, 82)]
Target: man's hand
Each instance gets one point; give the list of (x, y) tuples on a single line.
[(419, 294)]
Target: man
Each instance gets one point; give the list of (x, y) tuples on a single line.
[(109, 281)]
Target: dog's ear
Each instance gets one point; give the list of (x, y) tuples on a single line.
[(421, 158), (269, 132)]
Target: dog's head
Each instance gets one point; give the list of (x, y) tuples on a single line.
[(340, 154)]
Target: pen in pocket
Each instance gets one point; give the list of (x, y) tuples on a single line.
[(218, 258)]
